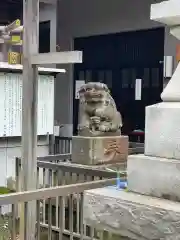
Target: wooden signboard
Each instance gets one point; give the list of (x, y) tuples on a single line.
[(11, 104)]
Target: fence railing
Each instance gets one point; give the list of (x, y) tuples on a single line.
[(74, 193), (60, 214), (65, 157), (52, 173), (63, 145)]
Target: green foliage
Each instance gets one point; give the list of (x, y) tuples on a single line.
[(5, 232), (5, 220), (5, 190)]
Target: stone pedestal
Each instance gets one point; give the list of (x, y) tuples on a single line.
[(162, 130), (99, 150), (157, 173)]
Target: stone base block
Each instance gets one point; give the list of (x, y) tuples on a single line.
[(99, 150), (132, 215), (154, 176), (162, 130)]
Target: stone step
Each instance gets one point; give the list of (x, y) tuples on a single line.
[(132, 215), (154, 176)]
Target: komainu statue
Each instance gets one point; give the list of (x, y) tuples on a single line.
[(98, 115)]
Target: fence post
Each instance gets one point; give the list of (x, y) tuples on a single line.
[(51, 144)]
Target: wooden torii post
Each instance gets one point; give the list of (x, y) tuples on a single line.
[(31, 59)]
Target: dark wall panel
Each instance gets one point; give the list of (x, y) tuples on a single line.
[(44, 37), (122, 49)]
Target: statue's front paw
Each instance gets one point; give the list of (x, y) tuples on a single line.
[(82, 127), (103, 128)]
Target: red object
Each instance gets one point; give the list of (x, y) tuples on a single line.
[(178, 52), (137, 133)]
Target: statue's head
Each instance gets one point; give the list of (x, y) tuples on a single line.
[(93, 91)]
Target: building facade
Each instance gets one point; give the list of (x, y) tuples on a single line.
[(87, 18)]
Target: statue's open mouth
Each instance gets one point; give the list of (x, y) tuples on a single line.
[(93, 94)]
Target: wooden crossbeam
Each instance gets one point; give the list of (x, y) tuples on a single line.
[(57, 58)]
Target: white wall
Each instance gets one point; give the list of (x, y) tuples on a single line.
[(10, 149), (92, 17)]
